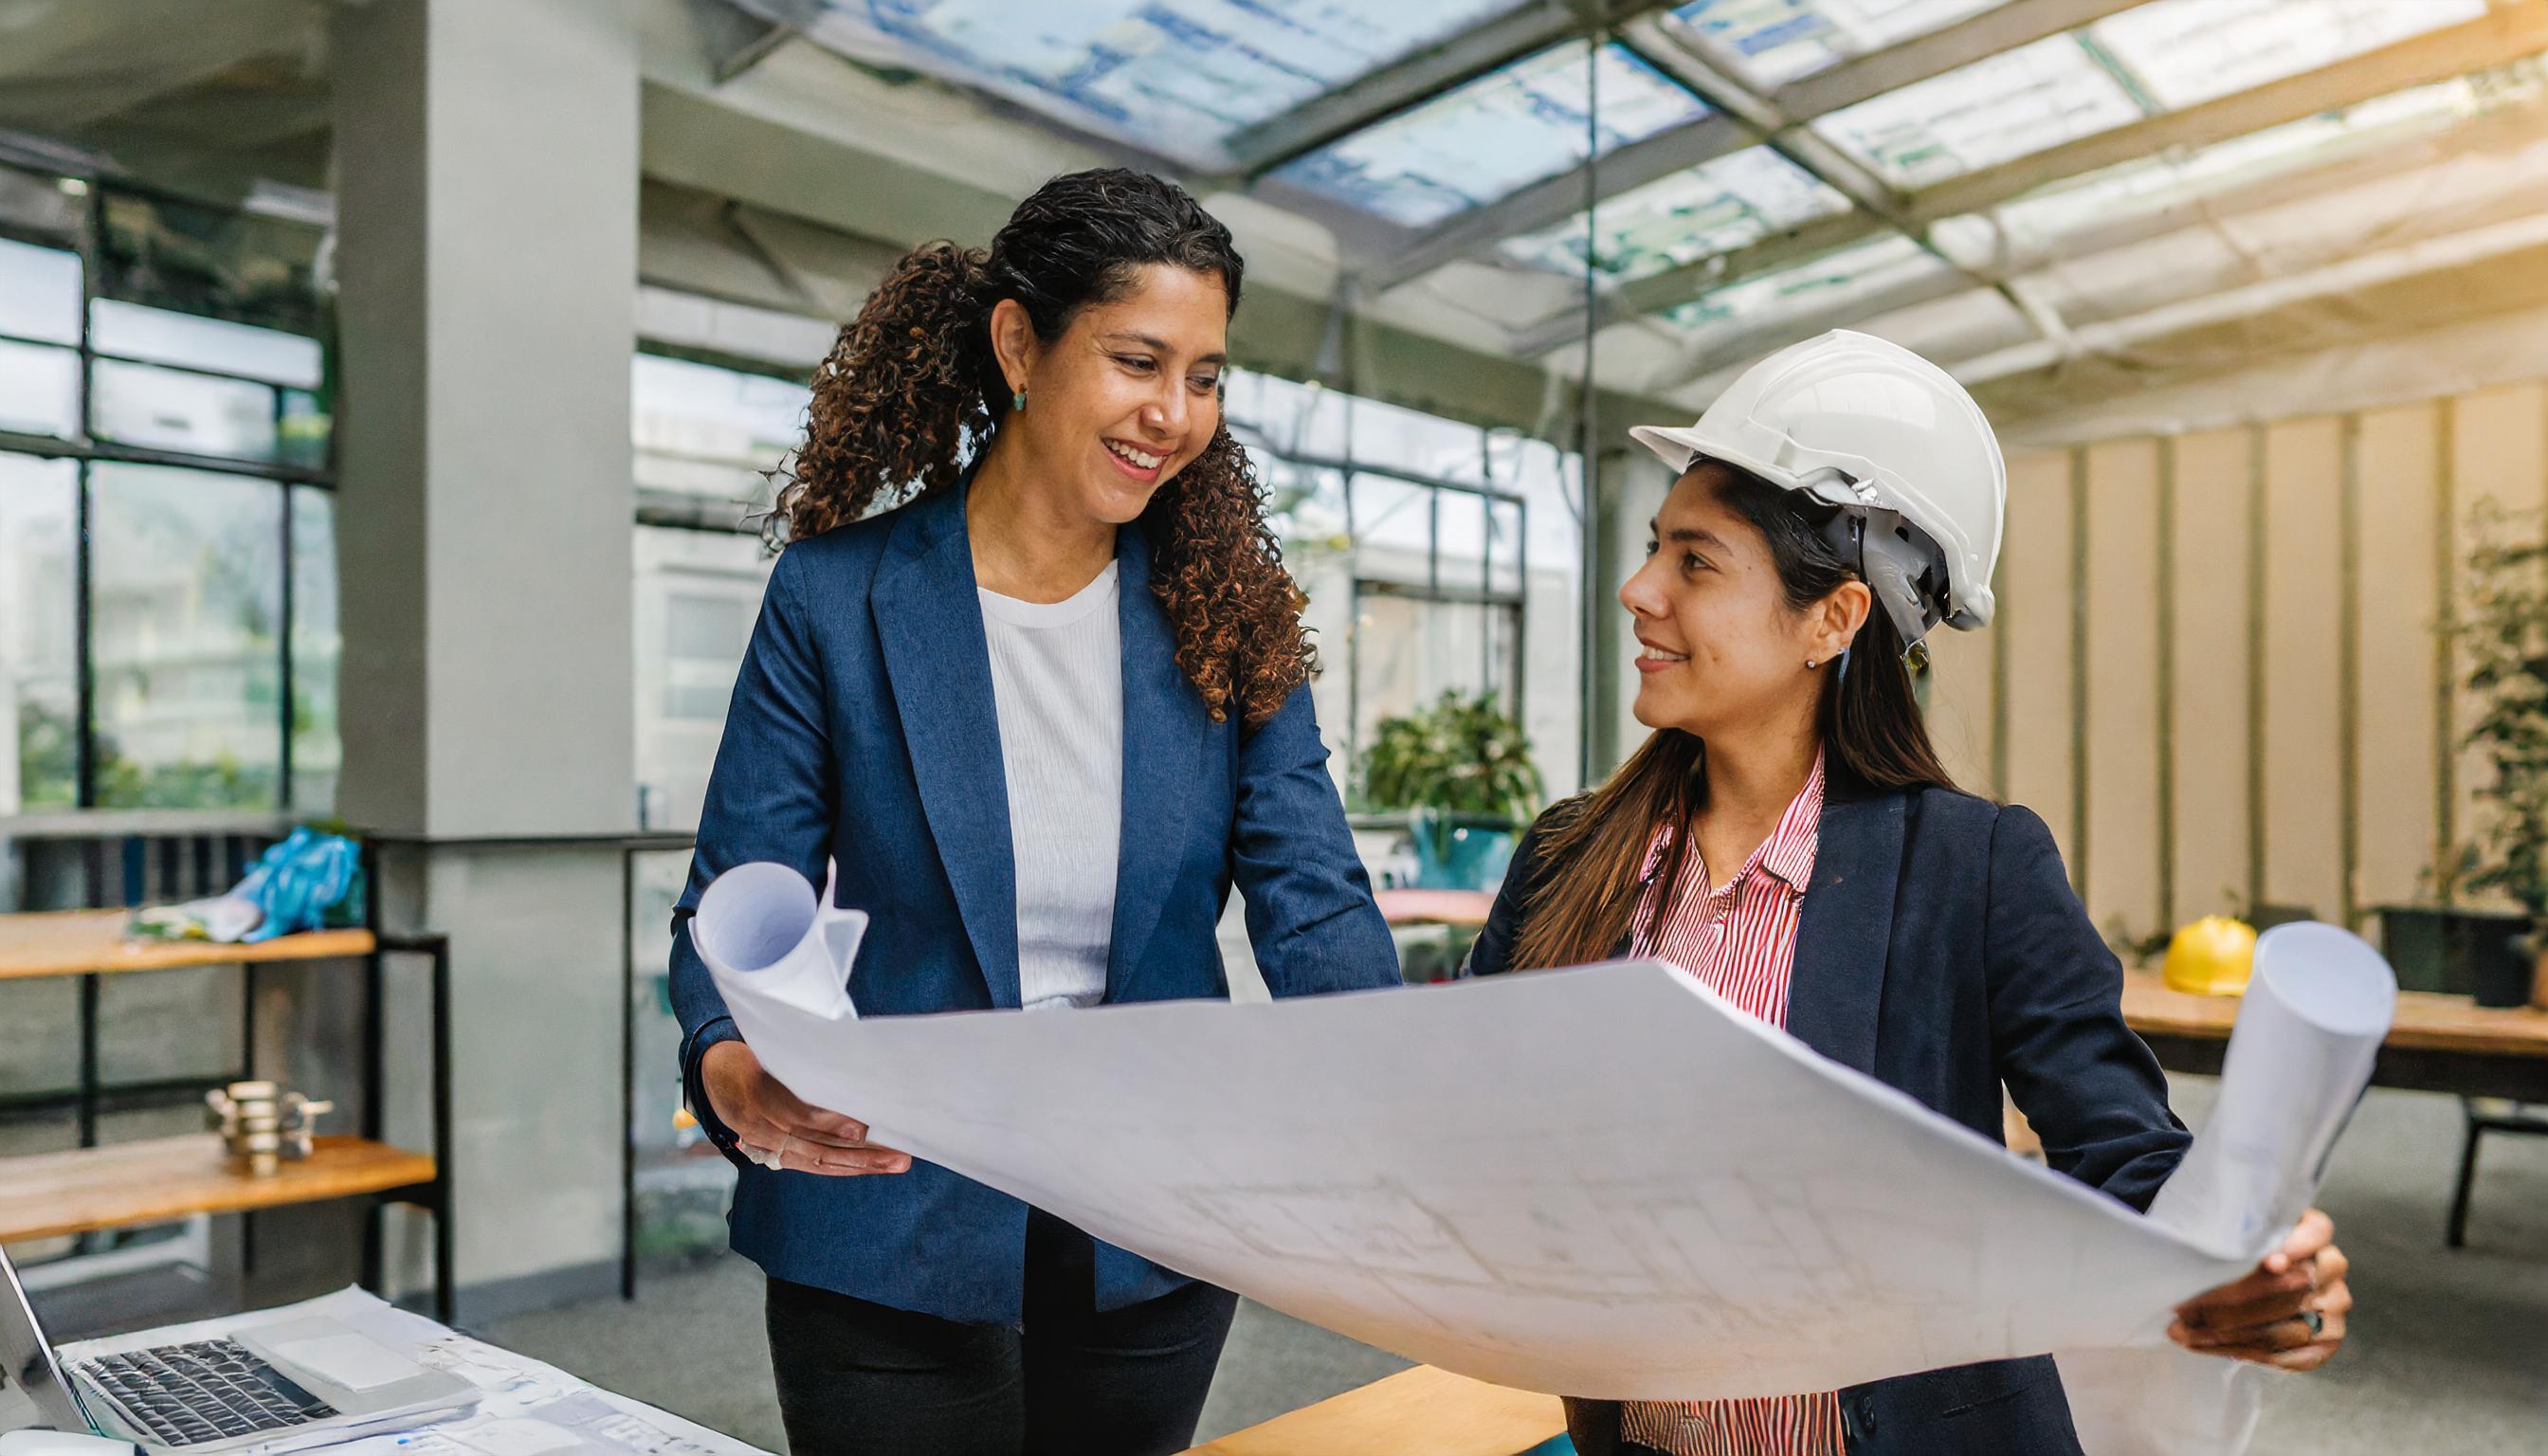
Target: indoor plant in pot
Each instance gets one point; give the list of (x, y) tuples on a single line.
[(2503, 632), (1462, 769)]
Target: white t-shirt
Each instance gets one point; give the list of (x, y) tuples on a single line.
[(1058, 683)]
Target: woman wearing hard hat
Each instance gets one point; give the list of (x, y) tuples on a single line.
[(1789, 836)]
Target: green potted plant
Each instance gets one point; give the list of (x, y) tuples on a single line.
[(1462, 769), (2502, 634)]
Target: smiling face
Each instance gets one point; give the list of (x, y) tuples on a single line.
[(1127, 396), (1720, 646)]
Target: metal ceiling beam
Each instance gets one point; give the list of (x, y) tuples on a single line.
[(2492, 39), (1682, 284), (1553, 200), (1976, 37), (2473, 249), (736, 36), (2503, 35), (1526, 30)]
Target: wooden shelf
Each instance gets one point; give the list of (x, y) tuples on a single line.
[(1421, 1410), (2427, 1021), (92, 942), (127, 1183)]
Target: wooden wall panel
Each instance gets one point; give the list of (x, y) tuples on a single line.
[(2122, 732), (2395, 764), (2035, 611), (2304, 796), (2207, 699)]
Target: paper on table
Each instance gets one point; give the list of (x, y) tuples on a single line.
[(515, 1388), (2311, 1024)]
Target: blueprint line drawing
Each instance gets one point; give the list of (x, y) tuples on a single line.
[(1704, 1209)]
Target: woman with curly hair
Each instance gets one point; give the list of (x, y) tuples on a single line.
[(1030, 675)]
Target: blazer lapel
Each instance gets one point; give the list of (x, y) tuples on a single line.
[(1838, 985), (1164, 724), (929, 618)]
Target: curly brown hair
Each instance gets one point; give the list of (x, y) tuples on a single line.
[(912, 393)]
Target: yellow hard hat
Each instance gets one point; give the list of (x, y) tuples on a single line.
[(2212, 956)]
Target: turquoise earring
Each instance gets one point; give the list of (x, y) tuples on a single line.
[(1018, 401)]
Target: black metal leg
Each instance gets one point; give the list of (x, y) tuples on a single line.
[(88, 1072), (443, 1172), (2458, 1234), (627, 1076)]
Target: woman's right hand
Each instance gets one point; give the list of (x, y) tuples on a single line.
[(769, 1119)]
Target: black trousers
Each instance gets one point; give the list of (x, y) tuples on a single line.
[(858, 1378)]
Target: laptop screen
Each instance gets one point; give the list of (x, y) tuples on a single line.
[(27, 1358)]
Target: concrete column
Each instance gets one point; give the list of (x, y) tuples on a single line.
[(486, 203), (1629, 486)]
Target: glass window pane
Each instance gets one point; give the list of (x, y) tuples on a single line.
[(305, 433), (1830, 282), (2012, 105), (315, 648), (1179, 76), (185, 607), (39, 389), (39, 293), (2184, 51), (39, 634), (1505, 546), (217, 344), (1769, 43), (141, 405), (696, 594), (1493, 136), (707, 431), (1409, 651), (212, 262), (2037, 225), (1393, 529), (1712, 209)]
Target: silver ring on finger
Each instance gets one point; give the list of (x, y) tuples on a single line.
[(2316, 1322)]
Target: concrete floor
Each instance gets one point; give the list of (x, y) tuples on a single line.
[(2449, 1350)]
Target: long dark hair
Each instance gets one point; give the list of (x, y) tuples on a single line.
[(1873, 735), (912, 392)]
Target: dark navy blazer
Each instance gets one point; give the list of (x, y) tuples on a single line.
[(863, 730), (1943, 951)]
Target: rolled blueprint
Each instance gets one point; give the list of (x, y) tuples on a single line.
[(2316, 1012), (1698, 1206), (780, 957)]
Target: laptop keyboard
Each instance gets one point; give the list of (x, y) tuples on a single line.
[(208, 1391)]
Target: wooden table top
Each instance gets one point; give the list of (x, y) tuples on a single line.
[(2427, 1021), (1434, 907), (80, 942), (123, 1184), (1420, 1410)]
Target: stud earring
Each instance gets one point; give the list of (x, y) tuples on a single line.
[(1018, 401), (1810, 663)]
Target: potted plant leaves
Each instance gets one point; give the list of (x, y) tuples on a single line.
[(1461, 769), (2502, 635)]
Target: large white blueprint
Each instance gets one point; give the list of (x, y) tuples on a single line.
[(1601, 1182)]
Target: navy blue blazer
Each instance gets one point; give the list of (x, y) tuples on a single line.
[(863, 730), (1941, 950)]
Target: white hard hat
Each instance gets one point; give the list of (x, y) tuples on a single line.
[(1889, 437)]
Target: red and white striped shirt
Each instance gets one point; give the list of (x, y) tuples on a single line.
[(1741, 943)]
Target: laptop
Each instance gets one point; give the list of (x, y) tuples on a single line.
[(264, 1383)]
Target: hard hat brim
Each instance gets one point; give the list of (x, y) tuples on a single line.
[(1682, 448)]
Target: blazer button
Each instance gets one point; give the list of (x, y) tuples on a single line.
[(1866, 1414)]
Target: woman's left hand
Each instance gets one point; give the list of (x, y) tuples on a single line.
[(2267, 1317)]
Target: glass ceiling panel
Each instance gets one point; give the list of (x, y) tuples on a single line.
[(1492, 136), (1769, 43), (1834, 280), (2008, 106), (1176, 76), (1708, 210), (2036, 225), (2184, 51)]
